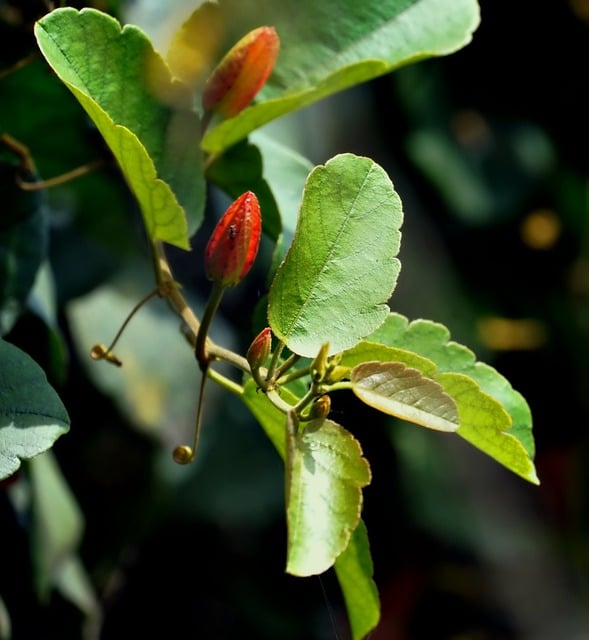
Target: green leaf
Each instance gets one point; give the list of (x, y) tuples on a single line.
[(354, 571), (483, 423), (432, 340), (332, 45), (145, 118), (404, 392), (341, 269), (354, 565), (488, 406), (57, 519), (325, 473), (32, 416)]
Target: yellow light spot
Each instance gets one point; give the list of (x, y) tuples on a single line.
[(505, 334), (580, 8), (540, 229)]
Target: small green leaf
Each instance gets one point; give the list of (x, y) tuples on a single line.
[(145, 118), (404, 392), (331, 45), (341, 269), (325, 476), (354, 571), (32, 416)]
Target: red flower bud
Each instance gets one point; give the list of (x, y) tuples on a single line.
[(233, 245), (242, 72), (259, 350)]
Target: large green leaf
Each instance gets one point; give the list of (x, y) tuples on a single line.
[(32, 416), (341, 269), (145, 117), (325, 473), (334, 44), (354, 565)]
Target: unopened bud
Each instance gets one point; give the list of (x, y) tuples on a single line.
[(320, 408), (259, 350), (319, 364), (234, 243), (242, 72)]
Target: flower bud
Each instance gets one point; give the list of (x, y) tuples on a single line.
[(259, 350), (233, 245), (320, 408), (242, 72), (319, 364)]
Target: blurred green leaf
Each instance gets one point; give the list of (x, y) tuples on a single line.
[(145, 118), (23, 244), (341, 269), (5, 624), (32, 416), (156, 386), (329, 46), (325, 473)]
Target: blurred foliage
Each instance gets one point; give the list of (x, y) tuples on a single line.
[(487, 150)]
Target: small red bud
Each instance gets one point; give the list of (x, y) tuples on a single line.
[(242, 72), (259, 350), (233, 245)]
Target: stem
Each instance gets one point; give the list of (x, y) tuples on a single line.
[(173, 294), (225, 382), (278, 402), (286, 365), (165, 280), (209, 313), (220, 353), (99, 352), (294, 375), (198, 422), (270, 376), (68, 176)]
